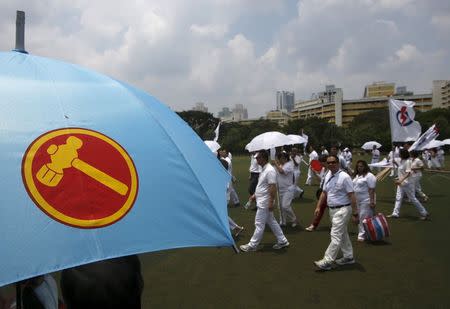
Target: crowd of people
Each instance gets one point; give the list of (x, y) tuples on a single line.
[(349, 194)]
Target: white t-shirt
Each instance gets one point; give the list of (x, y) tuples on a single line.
[(416, 163), (254, 166), (337, 187), (361, 185), (286, 179), (404, 167), (313, 156), (267, 177), (375, 155)]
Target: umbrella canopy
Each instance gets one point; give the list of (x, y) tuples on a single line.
[(212, 145), (268, 140), (369, 145), (297, 139), (93, 168)]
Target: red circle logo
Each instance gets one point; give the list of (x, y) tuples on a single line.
[(80, 177)]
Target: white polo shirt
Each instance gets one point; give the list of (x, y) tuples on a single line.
[(416, 163), (361, 185), (404, 167), (287, 179), (254, 166), (337, 187), (267, 177), (313, 156), (375, 155)]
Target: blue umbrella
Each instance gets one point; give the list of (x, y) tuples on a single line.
[(92, 168)]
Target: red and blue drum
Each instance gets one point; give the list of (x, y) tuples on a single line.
[(376, 227)]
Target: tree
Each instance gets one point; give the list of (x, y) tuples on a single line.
[(202, 123)]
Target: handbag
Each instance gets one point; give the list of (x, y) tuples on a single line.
[(376, 228)]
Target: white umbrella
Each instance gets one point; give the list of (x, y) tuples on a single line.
[(369, 145), (213, 145), (297, 139), (434, 144), (268, 140)]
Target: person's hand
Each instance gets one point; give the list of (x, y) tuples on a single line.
[(372, 205), (316, 211)]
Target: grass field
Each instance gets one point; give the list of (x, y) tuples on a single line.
[(410, 270)]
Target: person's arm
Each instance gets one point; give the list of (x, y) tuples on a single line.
[(372, 197), (322, 199), (272, 194), (355, 214)]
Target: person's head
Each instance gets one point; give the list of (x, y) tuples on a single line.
[(374, 147), (114, 283), (283, 157), (311, 148), (294, 151), (223, 153), (323, 160), (404, 154), (414, 154), (362, 168), (262, 157), (322, 148), (333, 163), (333, 150)]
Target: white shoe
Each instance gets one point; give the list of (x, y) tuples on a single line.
[(247, 248), (323, 264), (278, 246), (345, 261)]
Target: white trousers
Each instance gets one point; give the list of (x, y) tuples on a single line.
[(263, 217), (364, 212), (418, 187), (287, 213), (340, 240), (408, 190), (232, 224), (232, 194), (310, 176)]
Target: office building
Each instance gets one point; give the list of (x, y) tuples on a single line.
[(285, 101)]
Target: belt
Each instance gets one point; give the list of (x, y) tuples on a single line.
[(338, 206)]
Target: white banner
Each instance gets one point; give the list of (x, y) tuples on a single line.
[(431, 134), (401, 117), (216, 131)]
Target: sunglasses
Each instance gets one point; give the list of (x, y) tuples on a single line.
[(331, 162)]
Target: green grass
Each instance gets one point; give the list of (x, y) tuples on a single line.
[(409, 270)]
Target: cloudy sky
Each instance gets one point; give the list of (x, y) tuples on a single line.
[(224, 52)]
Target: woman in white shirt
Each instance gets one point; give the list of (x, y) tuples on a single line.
[(364, 183), (405, 186)]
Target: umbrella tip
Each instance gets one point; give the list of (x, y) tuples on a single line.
[(20, 32)]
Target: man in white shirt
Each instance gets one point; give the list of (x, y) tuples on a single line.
[(286, 188), (234, 198), (296, 158), (265, 196), (340, 198), (254, 170), (375, 157)]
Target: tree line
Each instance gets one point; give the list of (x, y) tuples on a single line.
[(373, 125)]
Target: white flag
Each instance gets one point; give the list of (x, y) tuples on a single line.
[(305, 137), (216, 131), (401, 117), (431, 134)]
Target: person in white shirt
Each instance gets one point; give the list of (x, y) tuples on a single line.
[(434, 159), (286, 188), (323, 151), (364, 183), (416, 170), (375, 156), (334, 150), (265, 197), (296, 158), (312, 156), (234, 198), (340, 198), (405, 186), (254, 170)]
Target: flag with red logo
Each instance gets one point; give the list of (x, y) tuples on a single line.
[(403, 126)]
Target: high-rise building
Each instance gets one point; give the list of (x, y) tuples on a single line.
[(239, 112), (285, 101), (225, 113), (441, 93), (379, 89), (200, 106)]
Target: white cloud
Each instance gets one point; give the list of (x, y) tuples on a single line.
[(213, 31)]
